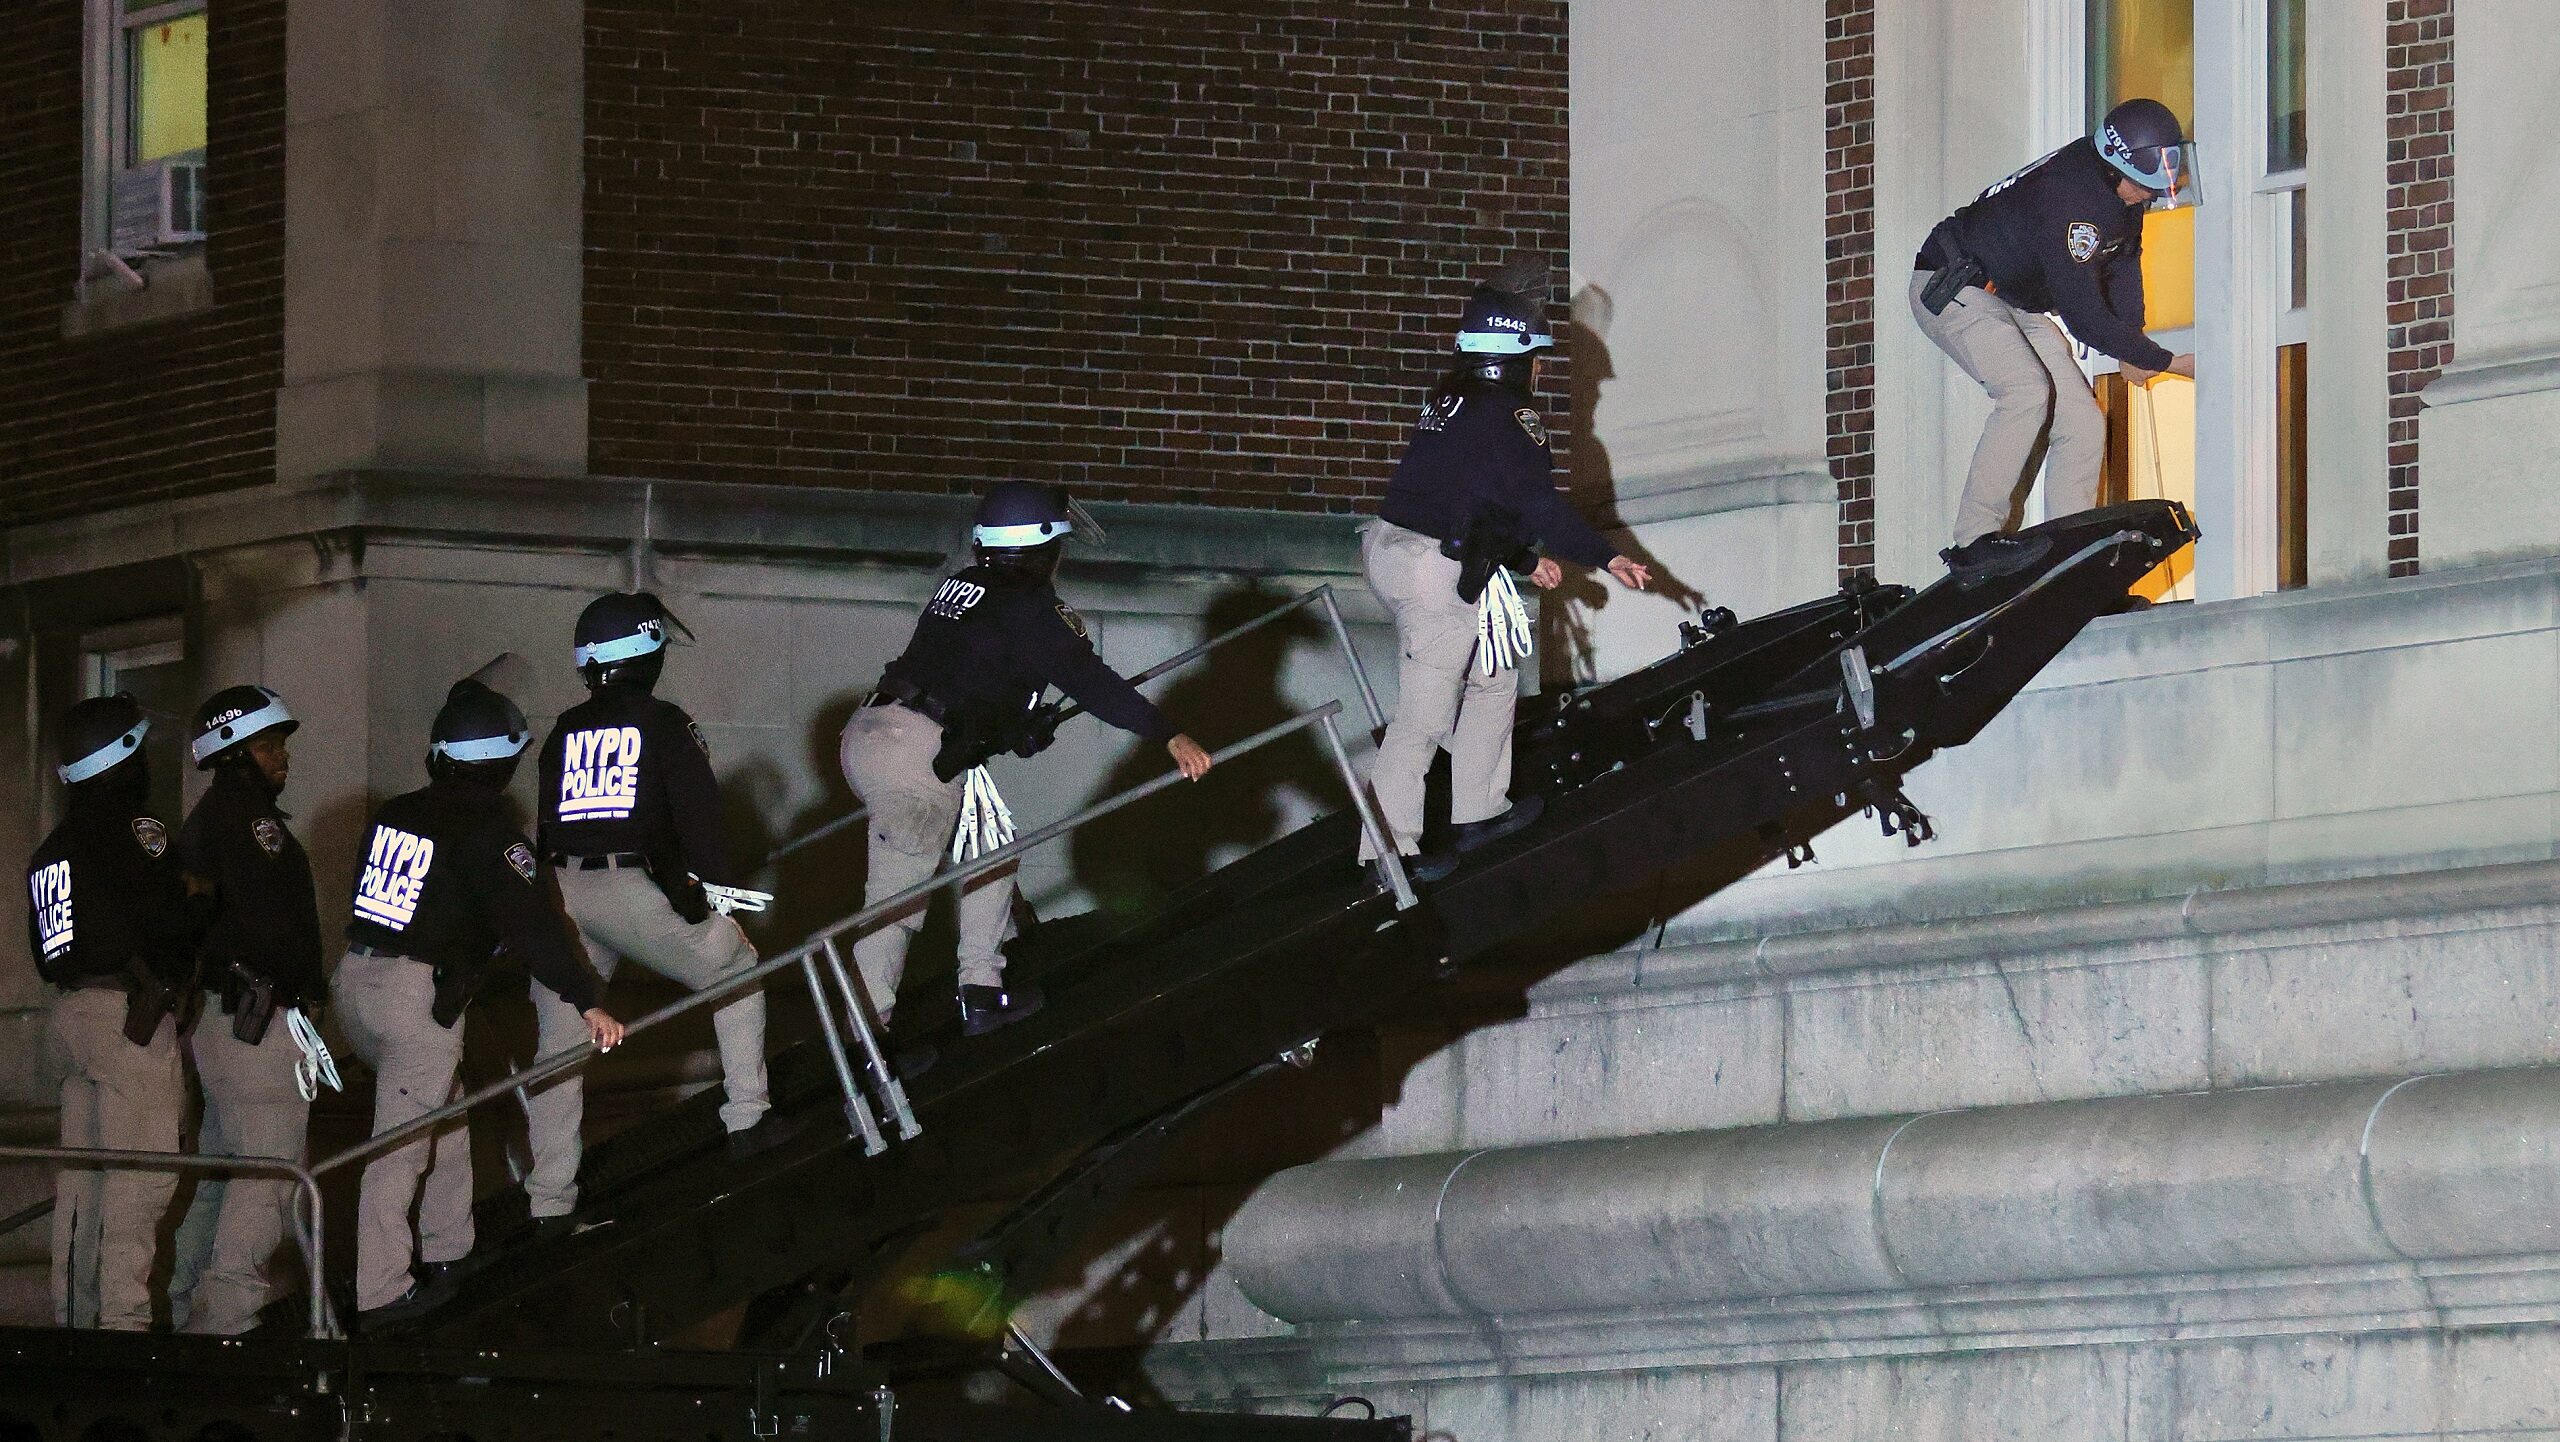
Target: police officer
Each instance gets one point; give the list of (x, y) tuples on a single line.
[(2063, 235), (1473, 499), (445, 880), (260, 961), (631, 821), (992, 640), (112, 927)]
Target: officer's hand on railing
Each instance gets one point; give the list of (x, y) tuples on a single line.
[(1187, 755), (1631, 574), (1546, 575), (602, 1029)]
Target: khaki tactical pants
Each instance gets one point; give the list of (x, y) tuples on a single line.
[(887, 753), (386, 1005), (106, 1220), (1443, 698), (621, 914), (2041, 408), (251, 1109)]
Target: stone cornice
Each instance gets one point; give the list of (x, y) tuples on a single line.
[(677, 517)]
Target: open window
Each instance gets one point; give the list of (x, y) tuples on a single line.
[(2224, 281), (146, 102)]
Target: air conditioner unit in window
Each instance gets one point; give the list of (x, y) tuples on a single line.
[(157, 204)]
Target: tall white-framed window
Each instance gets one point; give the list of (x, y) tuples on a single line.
[(145, 94), (2225, 280)]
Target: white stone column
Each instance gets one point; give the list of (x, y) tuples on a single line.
[(432, 232), (1698, 281), (2493, 418), (2348, 406)]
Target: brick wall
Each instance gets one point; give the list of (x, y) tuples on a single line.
[(2420, 196), (1849, 272), (1205, 252), (172, 409)]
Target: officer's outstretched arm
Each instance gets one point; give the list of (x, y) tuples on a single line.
[(2082, 304), (1068, 661), (693, 795), (511, 884)]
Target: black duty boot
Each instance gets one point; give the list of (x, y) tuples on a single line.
[(985, 1008), (1985, 557), (422, 1297), (1421, 870), (913, 1059), (1466, 836), (770, 1130)]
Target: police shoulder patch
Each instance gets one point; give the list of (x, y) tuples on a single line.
[(2082, 241), (151, 836), (520, 856), (1074, 622), (1529, 422), (268, 835)]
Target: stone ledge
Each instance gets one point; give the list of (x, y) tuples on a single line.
[(2205, 1306), (175, 286), (2401, 1175), (678, 517)]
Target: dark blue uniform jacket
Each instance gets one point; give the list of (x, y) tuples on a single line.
[(1481, 444), (2056, 237)]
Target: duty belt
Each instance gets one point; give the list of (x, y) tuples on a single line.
[(358, 948), (609, 861), (894, 692)]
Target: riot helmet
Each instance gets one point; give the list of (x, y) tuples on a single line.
[(1022, 528), (1504, 325), (102, 737), (231, 717), (477, 736), (2141, 140), (622, 640)]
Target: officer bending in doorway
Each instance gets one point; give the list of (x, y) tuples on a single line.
[(261, 968), (2063, 235), (112, 927), (1473, 501), (445, 881), (631, 822), (992, 640)]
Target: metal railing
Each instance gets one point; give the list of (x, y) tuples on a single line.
[(1320, 596), (307, 1222), (821, 949)]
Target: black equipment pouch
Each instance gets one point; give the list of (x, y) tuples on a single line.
[(147, 1002), (1959, 271), (1037, 729), (454, 983), (252, 1006), (969, 736), (1493, 539), (682, 888)]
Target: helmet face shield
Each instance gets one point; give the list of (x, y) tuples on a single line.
[(2181, 186)]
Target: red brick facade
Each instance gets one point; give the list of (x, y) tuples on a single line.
[(2420, 198), (1206, 253), (176, 408), (1849, 272)]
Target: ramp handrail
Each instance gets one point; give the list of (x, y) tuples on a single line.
[(1320, 595), (306, 1229), (815, 946)]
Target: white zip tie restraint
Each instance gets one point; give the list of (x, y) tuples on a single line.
[(316, 1068), (1502, 624), (986, 824), (730, 900)]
